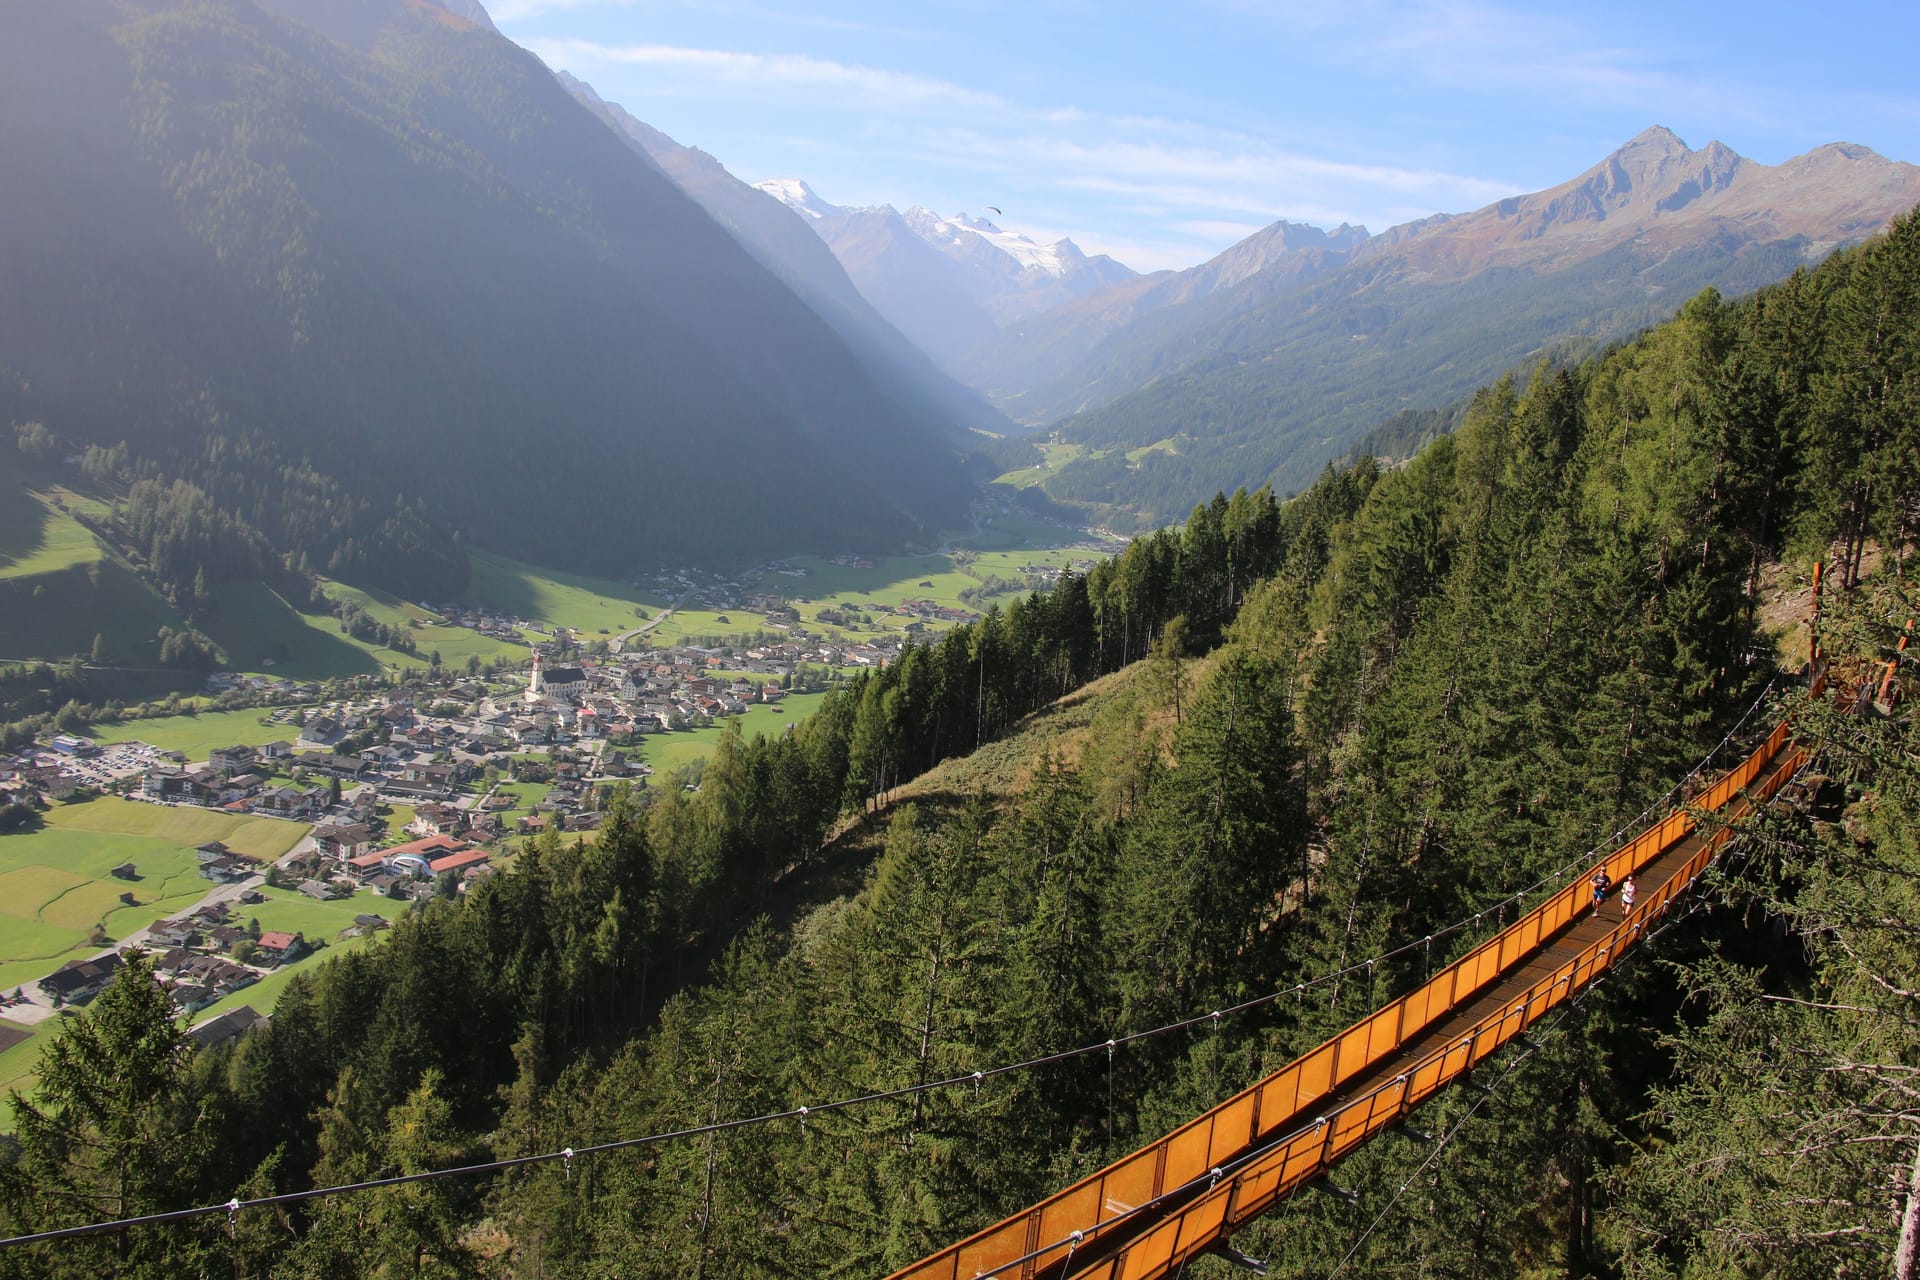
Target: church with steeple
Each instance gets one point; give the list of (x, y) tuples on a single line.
[(561, 684)]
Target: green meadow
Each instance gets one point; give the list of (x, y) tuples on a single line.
[(60, 587), (668, 751), (196, 735), (558, 599), (1056, 457), (291, 911), (427, 629), (56, 614), (524, 796), (36, 537), (56, 883), (260, 632), (20, 1068)]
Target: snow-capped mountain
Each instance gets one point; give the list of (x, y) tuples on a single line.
[(947, 282), (801, 198), (961, 237), (769, 230)]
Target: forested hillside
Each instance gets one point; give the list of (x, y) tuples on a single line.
[(364, 274), (1261, 376), (1426, 687)]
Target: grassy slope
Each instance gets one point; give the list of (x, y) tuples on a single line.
[(428, 631), (555, 598), (261, 632), (20, 1068), (294, 912), (37, 538), (59, 586), (55, 882), (1000, 771)]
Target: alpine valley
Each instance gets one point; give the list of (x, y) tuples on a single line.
[(563, 713), (1282, 353)]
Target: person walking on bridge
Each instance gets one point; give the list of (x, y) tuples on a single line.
[(1626, 897), (1601, 883)]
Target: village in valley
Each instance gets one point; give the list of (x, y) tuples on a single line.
[(357, 803)]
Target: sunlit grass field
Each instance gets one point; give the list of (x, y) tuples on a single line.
[(56, 883), (668, 751), (195, 735)]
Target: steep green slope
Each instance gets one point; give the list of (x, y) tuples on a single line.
[(1287, 380), (369, 234)]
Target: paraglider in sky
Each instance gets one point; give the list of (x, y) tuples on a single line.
[(995, 209)]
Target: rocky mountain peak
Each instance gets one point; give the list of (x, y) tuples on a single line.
[(471, 10)]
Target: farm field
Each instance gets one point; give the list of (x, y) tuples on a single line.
[(668, 751), (55, 887), (195, 735), (55, 883), (687, 624), (186, 826)]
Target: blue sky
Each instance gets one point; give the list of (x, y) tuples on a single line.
[(1163, 133)]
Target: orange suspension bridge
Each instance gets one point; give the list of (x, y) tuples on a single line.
[(1148, 1213)]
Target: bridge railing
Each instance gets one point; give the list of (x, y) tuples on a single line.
[(1251, 1185), (1041, 1239)]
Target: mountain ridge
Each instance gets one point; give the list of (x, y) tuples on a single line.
[(286, 243), (769, 230), (1271, 375), (948, 283)]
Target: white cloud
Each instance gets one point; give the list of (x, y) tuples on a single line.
[(1185, 190), (518, 10), (768, 70)]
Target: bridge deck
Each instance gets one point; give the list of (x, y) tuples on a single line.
[(1151, 1210)]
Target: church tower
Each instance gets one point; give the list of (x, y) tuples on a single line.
[(536, 688)]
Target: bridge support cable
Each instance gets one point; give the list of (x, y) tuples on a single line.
[(1149, 1212)]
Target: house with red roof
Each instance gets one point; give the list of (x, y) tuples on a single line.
[(458, 861), (276, 947)]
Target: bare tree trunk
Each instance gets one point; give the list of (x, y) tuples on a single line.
[(1906, 1251)]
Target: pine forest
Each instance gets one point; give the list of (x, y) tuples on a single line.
[(1300, 735)]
